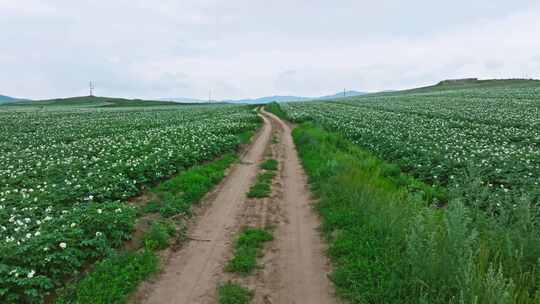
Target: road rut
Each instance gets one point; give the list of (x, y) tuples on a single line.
[(302, 265), (294, 268), (191, 274)]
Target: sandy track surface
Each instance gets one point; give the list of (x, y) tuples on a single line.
[(294, 269), (192, 273), (302, 265)]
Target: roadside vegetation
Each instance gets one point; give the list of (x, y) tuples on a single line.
[(177, 195), (390, 244), (263, 185), (247, 247), (159, 234), (233, 293), (112, 280), (270, 164)]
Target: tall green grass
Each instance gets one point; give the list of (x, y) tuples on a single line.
[(112, 279), (178, 194), (233, 293), (390, 244), (247, 247), (274, 108), (270, 164), (157, 237), (263, 185)]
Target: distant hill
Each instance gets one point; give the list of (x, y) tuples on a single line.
[(6, 99), (267, 99), (91, 101), (449, 84), (182, 100), (344, 94), (286, 98), (94, 101), (474, 83), (463, 84)]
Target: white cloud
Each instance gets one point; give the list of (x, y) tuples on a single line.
[(254, 48), (26, 8)]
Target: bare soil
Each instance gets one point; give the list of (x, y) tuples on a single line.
[(302, 266)]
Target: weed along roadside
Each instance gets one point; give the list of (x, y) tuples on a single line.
[(248, 246), (249, 242), (262, 187), (389, 243), (234, 293)]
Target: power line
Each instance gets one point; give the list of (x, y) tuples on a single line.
[(92, 88)]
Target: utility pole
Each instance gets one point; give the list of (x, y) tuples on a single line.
[(91, 89), (210, 96), (344, 93)]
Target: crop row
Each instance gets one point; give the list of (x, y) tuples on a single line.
[(64, 177), (446, 138)]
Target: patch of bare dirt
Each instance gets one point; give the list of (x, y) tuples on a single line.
[(302, 268)]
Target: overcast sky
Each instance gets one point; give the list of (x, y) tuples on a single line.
[(252, 48)]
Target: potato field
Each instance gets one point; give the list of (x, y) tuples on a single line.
[(446, 138), (66, 174)]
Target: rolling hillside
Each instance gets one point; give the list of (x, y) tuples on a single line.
[(448, 85), (91, 101), (287, 98), (7, 99)]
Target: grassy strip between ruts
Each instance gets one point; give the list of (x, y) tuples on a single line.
[(263, 185), (275, 109), (270, 164), (115, 277), (233, 293), (389, 245), (247, 247)]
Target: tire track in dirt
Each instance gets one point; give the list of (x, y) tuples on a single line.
[(263, 213), (294, 266), (191, 274), (302, 268)]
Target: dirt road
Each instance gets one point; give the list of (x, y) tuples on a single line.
[(190, 275), (302, 265), (294, 268)]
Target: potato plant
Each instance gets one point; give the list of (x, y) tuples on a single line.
[(66, 174), (447, 137)]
